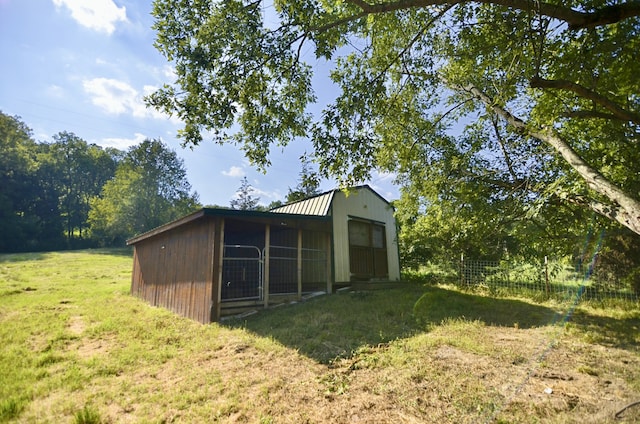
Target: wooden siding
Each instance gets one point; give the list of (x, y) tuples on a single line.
[(176, 270)]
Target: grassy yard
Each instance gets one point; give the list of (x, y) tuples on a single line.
[(77, 348)]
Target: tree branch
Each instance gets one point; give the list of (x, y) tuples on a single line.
[(413, 41), (574, 19), (507, 158), (624, 208), (582, 91), (600, 208)]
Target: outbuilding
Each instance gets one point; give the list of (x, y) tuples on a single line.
[(215, 261)]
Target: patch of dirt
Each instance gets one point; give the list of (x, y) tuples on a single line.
[(514, 375), (526, 376), (88, 348), (76, 325), (85, 347)]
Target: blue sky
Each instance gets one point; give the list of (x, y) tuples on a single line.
[(84, 66)]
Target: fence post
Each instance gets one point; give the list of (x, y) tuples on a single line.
[(461, 269), (546, 274)]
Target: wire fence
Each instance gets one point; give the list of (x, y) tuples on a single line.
[(283, 273), (545, 278), (243, 271)]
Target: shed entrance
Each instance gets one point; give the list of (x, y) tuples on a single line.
[(261, 261), (367, 250), (242, 261)]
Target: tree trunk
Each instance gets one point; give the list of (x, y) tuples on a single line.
[(624, 208)]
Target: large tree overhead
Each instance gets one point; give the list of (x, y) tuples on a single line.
[(535, 100)]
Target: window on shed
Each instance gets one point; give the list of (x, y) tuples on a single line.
[(359, 233)]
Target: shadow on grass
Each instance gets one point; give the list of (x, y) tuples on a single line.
[(333, 326), (437, 305), (337, 325), (21, 257), (622, 333), (37, 256)]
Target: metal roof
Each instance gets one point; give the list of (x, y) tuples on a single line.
[(316, 208), (318, 205)]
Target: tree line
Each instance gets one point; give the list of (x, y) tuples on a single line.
[(72, 194)]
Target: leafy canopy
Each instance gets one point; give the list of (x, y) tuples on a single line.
[(535, 102), (150, 188)]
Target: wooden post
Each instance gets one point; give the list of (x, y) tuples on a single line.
[(299, 262), (266, 265)]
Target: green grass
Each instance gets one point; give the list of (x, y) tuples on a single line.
[(334, 327), (87, 415), (76, 347)]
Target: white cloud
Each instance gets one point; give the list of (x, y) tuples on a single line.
[(55, 91), (117, 97), (384, 184), (98, 15), (234, 171), (384, 176), (122, 143), (111, 95), (169, 72), (264, 195)]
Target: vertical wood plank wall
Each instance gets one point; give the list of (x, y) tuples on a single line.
[(175, 270), (218, 255)]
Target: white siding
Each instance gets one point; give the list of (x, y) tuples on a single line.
[(366, 204)]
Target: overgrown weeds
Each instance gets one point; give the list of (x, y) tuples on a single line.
[(87, 415), (10, 409)]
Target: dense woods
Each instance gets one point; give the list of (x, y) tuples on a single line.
[(72, 194)]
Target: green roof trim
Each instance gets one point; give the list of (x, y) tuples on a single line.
[(224, 213)]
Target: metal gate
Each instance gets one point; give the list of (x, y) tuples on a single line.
[(242, 273)]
